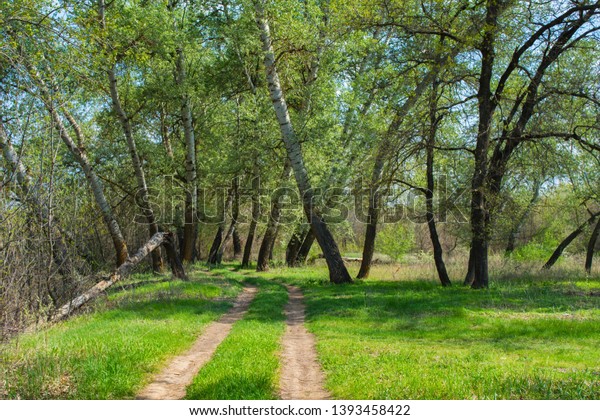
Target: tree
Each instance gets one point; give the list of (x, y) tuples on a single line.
[(337, 270), (142, 196), (563, 31), (591, 248)]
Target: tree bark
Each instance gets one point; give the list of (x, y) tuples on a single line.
[(164, 131), (438, 253), (120, 273), (337, 270), (591, 247), (173, 257), (254, 221), (191, 195), (235, 215), (216, 250), (470, 276), (266, 246), (307, 244), (233, 202), (567, 241), (213, 253), (294, 244), (237, 244), (79, 153), (373, 212)]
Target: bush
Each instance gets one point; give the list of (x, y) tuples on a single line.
[(395, 240), (536, 250)]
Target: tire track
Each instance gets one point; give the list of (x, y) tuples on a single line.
[(171, 382), (301, 374)]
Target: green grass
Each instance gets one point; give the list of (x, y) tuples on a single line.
[(415, 340), (527, 338), (109, 354), (530, 337), (246, 364)]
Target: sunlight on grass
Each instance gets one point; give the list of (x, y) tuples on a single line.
[(110, 354), (246, 364), (523, 338), (533, 336), (418, 341)]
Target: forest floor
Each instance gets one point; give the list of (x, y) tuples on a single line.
[(527, 337)]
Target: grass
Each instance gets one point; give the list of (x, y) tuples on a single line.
[(110, 353), (525, 338), (246, 364), (417, 341), (531, 336)]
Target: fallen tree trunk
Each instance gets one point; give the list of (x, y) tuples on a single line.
[(120, 273)]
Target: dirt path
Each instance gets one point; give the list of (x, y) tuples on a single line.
[(301, 374), (170, 384)]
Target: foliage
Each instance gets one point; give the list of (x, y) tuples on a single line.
[(395, 240)]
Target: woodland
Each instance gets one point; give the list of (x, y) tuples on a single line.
[(417, 158)]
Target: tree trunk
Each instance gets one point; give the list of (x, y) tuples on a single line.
[(120, 273), (213, 254), (216, 250), (233, 223), (31, 197), (307, 244), (514, 232), (470, 276), (164, 131), (266, 246), (272, 247), (438, 253), (142, 196), (235, 215), (96, 185), (479, 204), (248, 245), (237, 244), (173, 257), (254, 221), (294, 244), (228, 235), (191, 195), (337, 269), (591, 247), (80, 155), (567, 241), (373, 213)]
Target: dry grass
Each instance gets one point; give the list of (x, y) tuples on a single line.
[(421, 267)]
